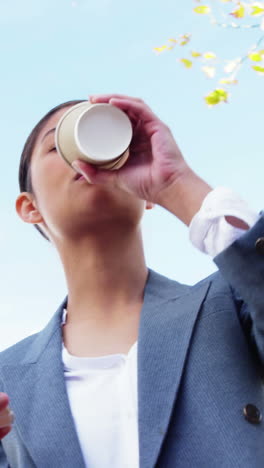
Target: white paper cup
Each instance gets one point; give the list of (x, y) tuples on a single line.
[(96, 133)]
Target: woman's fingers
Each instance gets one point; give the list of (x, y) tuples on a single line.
[(138, 111), (134, 107), (103, 98), (94, 175), (4, 400), (138, 108), (6, 417)]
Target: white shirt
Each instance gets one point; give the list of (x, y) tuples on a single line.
[(102, 390), (103, 397)]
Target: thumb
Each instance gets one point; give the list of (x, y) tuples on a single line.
[(93, 175)]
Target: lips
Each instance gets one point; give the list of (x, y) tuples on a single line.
[(78, 176)]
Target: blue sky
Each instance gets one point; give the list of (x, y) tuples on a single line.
[(55, 51)]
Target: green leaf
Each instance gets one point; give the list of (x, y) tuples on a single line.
[(255, 57), (223, 94), (257, 10), (217, 96), (212, 99), (202, 10), (257, 68)]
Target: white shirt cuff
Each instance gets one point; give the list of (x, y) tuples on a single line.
[(209, 231)]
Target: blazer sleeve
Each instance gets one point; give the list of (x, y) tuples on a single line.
[(3, 459), (242, 265)]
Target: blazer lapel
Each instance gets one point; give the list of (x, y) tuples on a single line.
[(38, 397), (167, 321)]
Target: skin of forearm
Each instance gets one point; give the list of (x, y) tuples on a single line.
[(184, 196)]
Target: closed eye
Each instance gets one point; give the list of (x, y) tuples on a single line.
[(52, 149)]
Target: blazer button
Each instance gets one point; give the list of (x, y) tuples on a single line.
[(252, 414), (260, 245)]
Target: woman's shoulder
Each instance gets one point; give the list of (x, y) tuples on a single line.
[(28, 349), (15, 353)]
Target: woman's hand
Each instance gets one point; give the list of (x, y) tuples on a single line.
[(155, 160), (6, 416), (156, 170)]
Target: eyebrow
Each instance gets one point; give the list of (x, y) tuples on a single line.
[(52, 130)]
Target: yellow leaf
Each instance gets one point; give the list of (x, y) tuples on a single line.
[(257, 10), (202, 10), (196, 54), (239, 12), (173, 40), (258, 69), (160, 49), (261, 52), (209, 55), (255, 57), (228, 81), (187, 63), (185, 39)]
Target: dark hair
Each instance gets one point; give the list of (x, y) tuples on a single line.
[(25, 182)]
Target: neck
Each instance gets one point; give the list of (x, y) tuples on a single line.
[(106, 276)]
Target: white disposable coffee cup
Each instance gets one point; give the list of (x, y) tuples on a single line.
[(96, 133)]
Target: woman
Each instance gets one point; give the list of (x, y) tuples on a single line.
[(135, 369)]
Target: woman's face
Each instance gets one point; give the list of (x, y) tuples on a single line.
[(65, 204)]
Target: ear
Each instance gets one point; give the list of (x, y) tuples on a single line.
[(149, 205), (27, 210)]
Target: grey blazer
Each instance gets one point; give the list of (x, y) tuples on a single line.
[(200, 367)]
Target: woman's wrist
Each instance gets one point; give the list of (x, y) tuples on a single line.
[(184, 197)]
